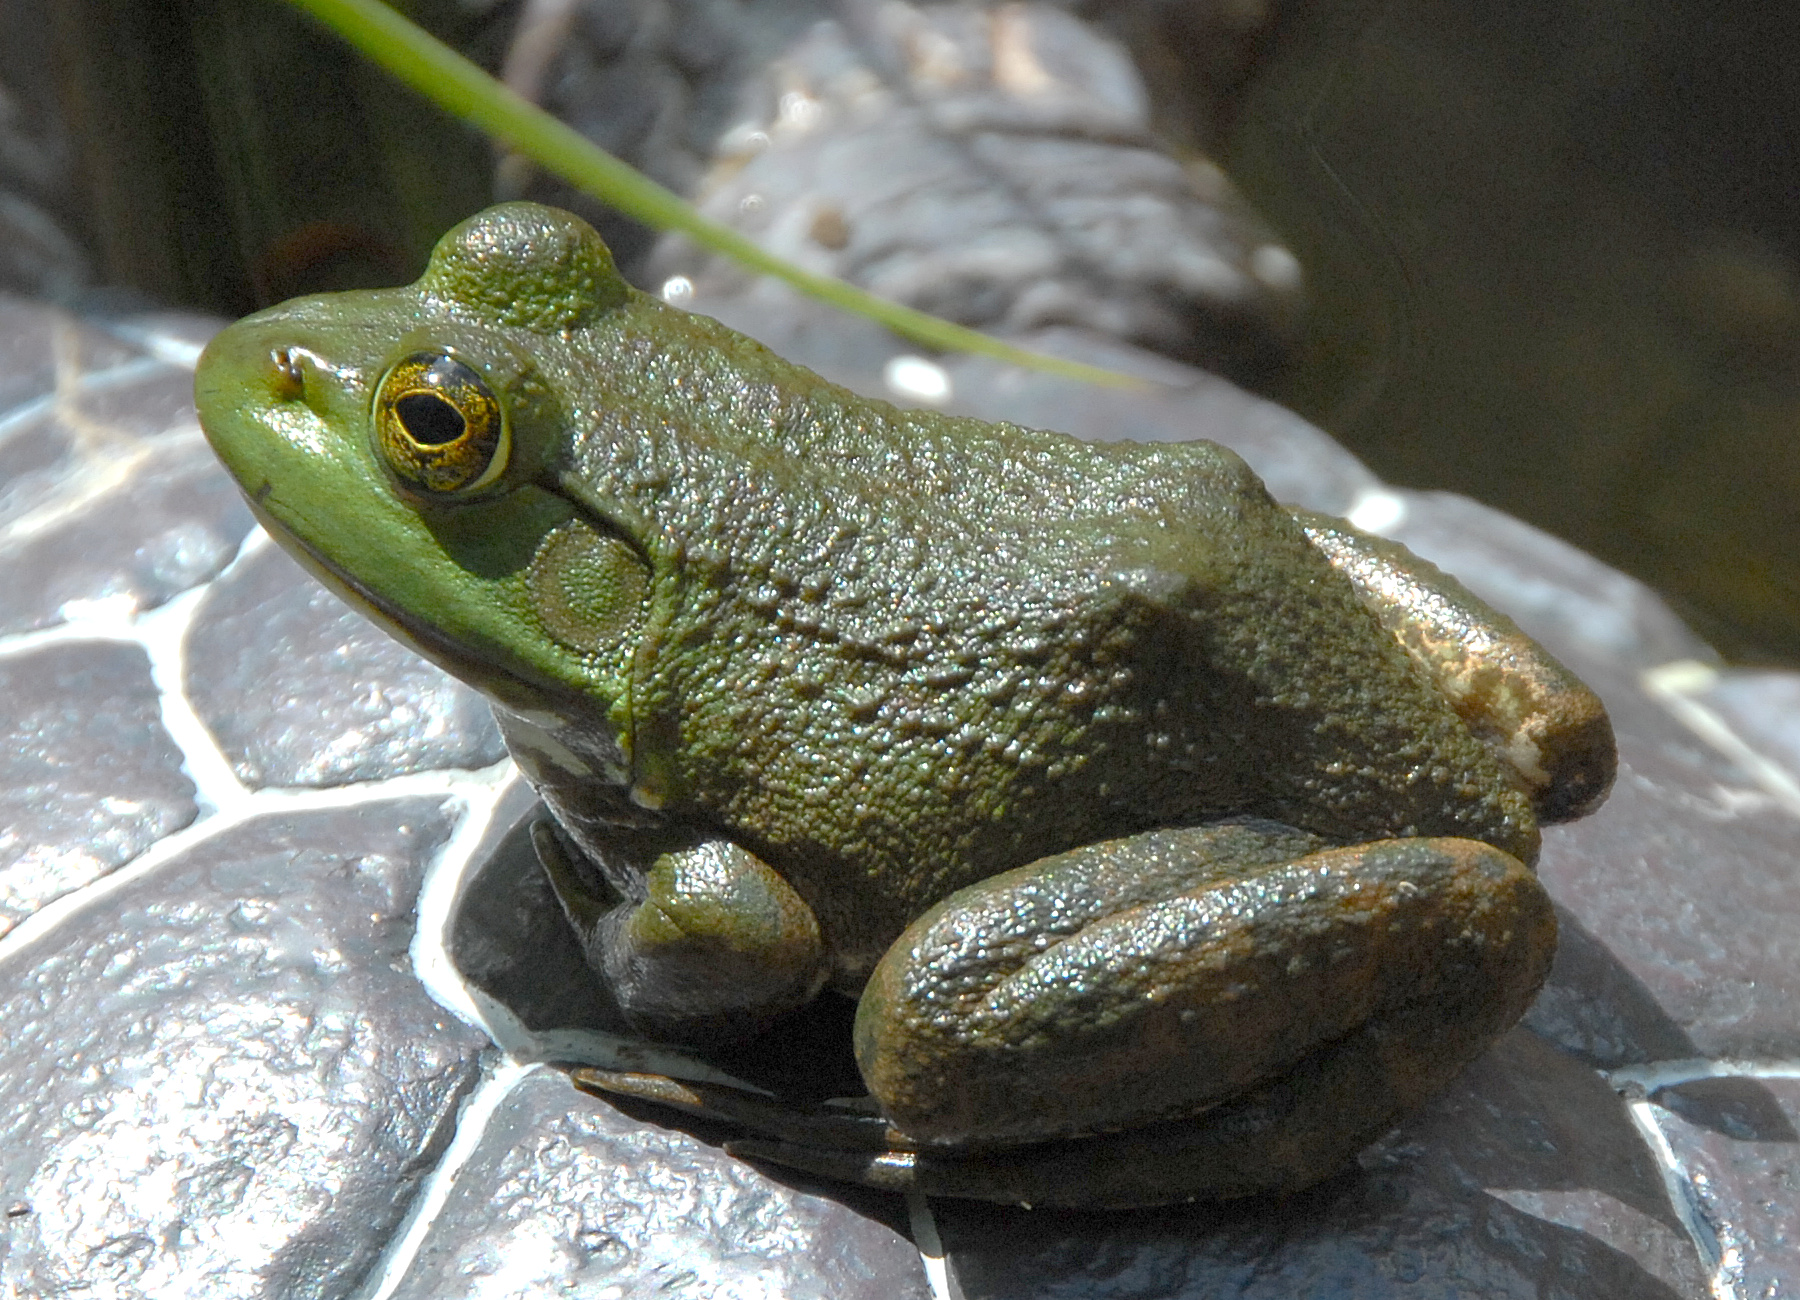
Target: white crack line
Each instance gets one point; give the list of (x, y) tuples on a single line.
[(1683, 1198), (163, 634), (446, 783), (1637, 1083), (438, 895), (472, 1119), (1667, 1074), (1677, 686), (931, 1248), (98, 625)]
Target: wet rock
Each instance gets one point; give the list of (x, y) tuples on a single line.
[(89, 778), (96, 436), (1739, 1151), (565, 1195), (222, 1077)]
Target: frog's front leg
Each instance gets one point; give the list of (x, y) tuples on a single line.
[(1201, 1012), (710, 944)]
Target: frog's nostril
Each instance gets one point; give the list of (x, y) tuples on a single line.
[(290, 375)]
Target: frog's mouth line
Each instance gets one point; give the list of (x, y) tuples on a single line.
[(422, 640)]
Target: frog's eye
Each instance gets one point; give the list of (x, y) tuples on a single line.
[(439, 425)]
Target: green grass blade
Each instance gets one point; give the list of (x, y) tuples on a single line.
[(447, 78)]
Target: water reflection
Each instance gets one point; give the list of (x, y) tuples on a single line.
[(1552, 252)]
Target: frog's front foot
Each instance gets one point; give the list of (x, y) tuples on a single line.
[(713, 946), (1200, 1013)]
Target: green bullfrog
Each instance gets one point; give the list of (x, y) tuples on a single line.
[(1174, 842)]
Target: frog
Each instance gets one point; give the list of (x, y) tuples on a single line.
[(1173, 843)]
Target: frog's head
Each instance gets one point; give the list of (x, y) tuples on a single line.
[(408, 446)]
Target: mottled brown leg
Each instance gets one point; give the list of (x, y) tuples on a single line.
[(1539, 718)]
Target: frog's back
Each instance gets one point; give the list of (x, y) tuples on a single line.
[(918, 649)]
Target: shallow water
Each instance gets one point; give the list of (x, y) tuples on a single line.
[(1552, 257)]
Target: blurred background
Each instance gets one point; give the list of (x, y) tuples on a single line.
[(1550, 252)]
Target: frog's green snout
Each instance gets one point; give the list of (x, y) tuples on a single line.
[(240, 373)]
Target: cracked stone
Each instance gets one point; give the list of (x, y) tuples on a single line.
[(222, 1078), (126, 450), (1739, 1151), (89, 778), (301, 690), (566, 1195)]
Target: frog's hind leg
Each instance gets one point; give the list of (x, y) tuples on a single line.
[(1269, 1014), (1540, 720), (718, 945), (1281, 1137)]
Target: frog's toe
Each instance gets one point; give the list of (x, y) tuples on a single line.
[(839, 1126)]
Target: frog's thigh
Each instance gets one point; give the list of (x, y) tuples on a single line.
[(1026, 1008), (718, 946), (1536, 715), (1279, 1137)]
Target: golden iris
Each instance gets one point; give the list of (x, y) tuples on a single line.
[(439, 425)]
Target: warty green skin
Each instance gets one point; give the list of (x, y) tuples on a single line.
[(888, 654)]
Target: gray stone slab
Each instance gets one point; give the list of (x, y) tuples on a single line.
[(173, 517), (222, 1079), (566, 1196), (36, 340), (996, 167), (1524, 1180), (89, 778), (1739, 1151), (301, 690), (1688, 877)]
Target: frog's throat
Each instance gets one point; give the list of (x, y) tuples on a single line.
[(502, 684)]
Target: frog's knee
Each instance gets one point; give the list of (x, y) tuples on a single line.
[(1537, 717), (718, 946)]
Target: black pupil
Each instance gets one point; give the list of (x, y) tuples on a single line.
[(429, 420)]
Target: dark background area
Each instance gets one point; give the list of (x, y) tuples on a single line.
[(1552, 253)]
